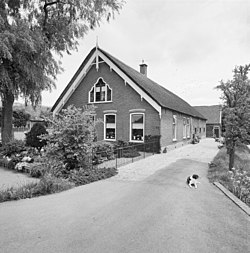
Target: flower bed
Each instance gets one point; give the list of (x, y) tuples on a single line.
[(238, 179)]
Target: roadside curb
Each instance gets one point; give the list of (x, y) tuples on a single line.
[(230, 195)]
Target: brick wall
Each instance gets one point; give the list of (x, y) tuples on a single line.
[(124, 99), (199, 127), (167, 129)]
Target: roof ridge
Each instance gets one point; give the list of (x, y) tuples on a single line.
[(197, 114)]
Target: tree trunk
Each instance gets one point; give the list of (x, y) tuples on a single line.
[(7, 114), (231, 158)]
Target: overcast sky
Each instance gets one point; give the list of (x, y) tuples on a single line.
[(188, 45)]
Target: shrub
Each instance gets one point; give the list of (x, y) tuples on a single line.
[(32, 137), (71, 137), (127, 150), (20, 118), (43, 165), (51, 184), (86, 176), (13, 147), (106, 149), (130, 152), (13, 162), (37, 170), (155, 139)]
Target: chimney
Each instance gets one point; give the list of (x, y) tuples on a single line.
[(143, 68)]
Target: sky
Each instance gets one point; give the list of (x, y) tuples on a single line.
[(188, 45)]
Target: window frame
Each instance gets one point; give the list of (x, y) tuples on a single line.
[(184, 130), (130, 127), (93, 88), (174, 125), (188, 133), (105, 128)]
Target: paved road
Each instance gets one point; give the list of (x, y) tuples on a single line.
[(157, 213)]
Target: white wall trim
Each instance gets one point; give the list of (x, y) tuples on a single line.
[(112, 66), (109, 111), (137, 110), (127, 80)]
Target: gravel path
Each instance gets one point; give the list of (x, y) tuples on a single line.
[(202, 152)]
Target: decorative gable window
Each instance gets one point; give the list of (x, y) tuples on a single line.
[(110, 127), (137, 127), (100, 92), (174, 128)]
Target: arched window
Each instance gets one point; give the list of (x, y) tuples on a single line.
[(100, 92)]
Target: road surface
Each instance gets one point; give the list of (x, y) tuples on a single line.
[(158, 213)]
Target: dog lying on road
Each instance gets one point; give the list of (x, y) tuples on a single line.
[(192, 181)]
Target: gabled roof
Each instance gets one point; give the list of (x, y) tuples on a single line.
[(212, 113), (156, 92)]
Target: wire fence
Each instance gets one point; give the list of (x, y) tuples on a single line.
[(124, 155)]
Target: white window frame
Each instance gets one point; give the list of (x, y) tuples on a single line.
[(188, 127), (184, 128), (94, 90), (130, 127), (105, 128), (175, 127)]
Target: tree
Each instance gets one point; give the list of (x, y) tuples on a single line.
[(236, 110), (32, 33)]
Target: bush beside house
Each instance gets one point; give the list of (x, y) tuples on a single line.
[(64, 163)]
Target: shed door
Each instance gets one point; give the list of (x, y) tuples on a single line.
[(217, 132)]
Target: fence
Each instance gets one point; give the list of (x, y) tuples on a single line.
[(124, 155)]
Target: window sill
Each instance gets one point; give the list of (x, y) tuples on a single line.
[(174, 140), (109, 139)]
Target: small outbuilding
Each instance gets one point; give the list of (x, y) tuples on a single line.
[(213, 114)]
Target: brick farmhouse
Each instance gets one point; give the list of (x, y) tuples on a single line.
[(131, 106)]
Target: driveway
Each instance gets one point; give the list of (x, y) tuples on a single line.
[(146, 208)]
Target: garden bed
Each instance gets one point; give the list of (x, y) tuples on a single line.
[(238, 180)]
